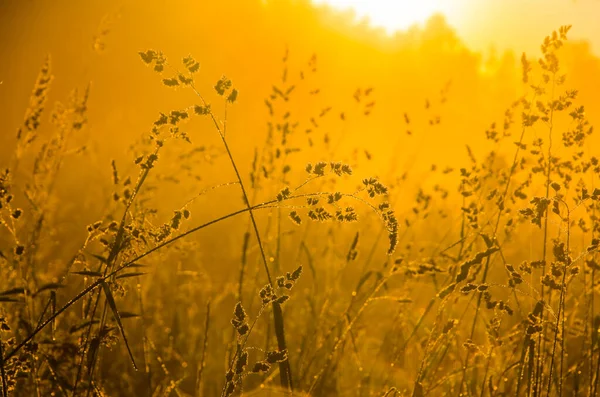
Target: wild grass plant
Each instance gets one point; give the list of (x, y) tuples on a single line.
[(332, 288)]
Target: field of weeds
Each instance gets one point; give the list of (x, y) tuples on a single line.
[(430, 232)]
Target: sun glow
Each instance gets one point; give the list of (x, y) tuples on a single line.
[(394, 15)]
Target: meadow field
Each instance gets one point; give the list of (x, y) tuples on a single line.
[(265, 198)]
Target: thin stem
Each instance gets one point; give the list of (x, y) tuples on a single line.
[(204, 347), (561, 310), (544, 249), (2, 371), (284, 366)]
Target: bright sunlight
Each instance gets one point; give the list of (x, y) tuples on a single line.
[(393, 15)]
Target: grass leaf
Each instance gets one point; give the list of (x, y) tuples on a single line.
[(113, 306)]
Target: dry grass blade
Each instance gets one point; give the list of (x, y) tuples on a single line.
[(204, 347), (3, 371), (113, 306)]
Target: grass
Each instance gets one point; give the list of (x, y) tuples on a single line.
[(315, 302)]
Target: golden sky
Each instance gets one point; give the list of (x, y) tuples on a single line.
[(98, 41), (506, 24)]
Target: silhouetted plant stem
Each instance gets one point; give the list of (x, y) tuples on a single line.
[(284, 366), (244, 260), (204, 347), (2, 371), (561, 311), (544, 250)]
